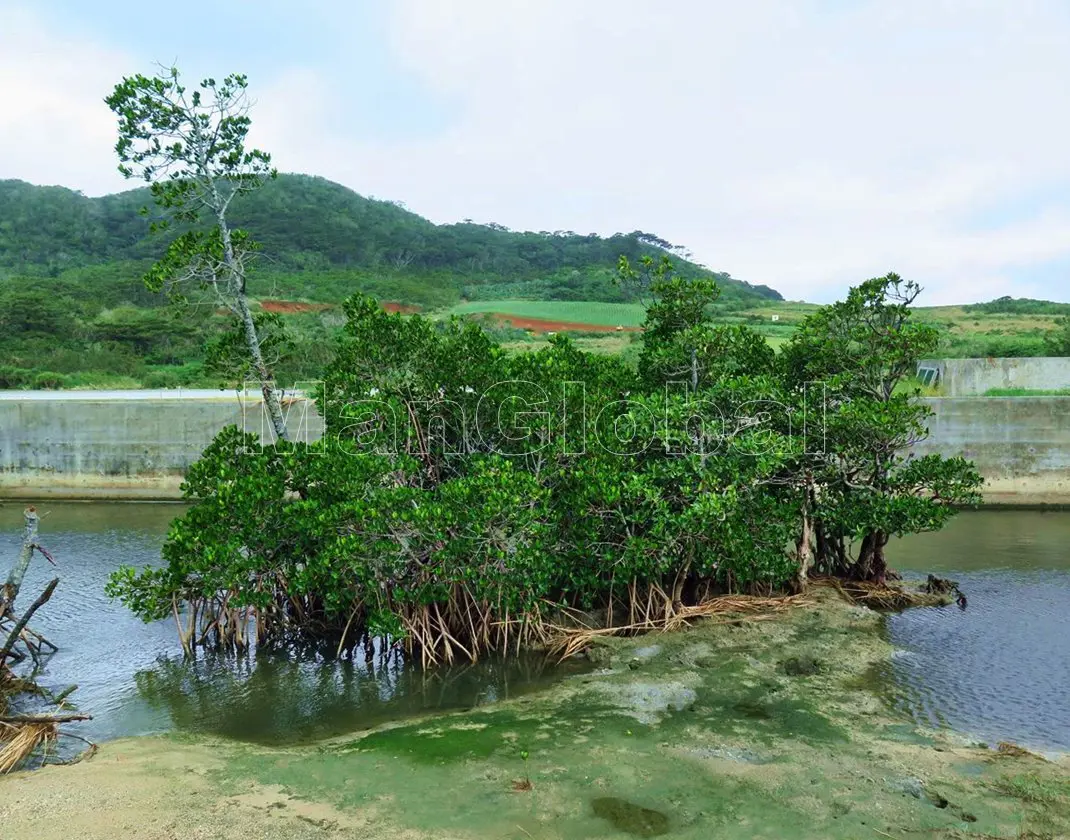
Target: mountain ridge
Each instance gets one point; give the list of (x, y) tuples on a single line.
[(307, 224)]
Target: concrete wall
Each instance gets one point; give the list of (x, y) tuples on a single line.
[(975, 377), (138, 444), (134, 444), (1021, 445)]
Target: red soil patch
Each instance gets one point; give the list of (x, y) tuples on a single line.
[(540, 326), (403, 308), (288, 307)]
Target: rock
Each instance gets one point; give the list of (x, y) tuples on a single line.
[(940, 586), (631, 818), (599, 654), (801, 666), (911, 786), (647, 702)]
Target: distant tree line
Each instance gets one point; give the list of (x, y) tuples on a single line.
[(1008, 305)]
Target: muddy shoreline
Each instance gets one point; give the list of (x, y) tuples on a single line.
[(766, 729)]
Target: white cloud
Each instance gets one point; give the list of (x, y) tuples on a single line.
[(793, 147), (54, 125), (786, 143), (802, 144)]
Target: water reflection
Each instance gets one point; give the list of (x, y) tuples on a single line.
[(270, 700)]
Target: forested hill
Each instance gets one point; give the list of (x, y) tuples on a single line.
[(321, 241)]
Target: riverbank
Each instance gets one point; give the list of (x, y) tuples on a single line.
[(769, 729)]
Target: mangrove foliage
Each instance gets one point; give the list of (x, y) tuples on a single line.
[(464, 500)]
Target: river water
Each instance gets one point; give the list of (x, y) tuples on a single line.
[(998, 670), (130, 679)]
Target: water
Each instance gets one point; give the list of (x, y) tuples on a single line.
[(133, 683), (101, 645), (1000, 669)]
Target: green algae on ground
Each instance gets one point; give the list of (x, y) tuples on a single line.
[(709, 728), (430, 743), (906, 733), (1029, 787), (704, 727), (762, 716), (500, 733)]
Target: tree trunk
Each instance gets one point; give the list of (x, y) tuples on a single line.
[(841, 553), (267, 385), (823, 551), (803, 550), (678, 587), (18, 571), (879, 568), (871, 565), (236, 287), (20, 625), (831, 554), (864, 562)]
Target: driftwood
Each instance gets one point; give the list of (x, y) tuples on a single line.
[(18, 571), (63, 695), (20, 625), (44, 718), (25, 735), (39, 640), (884, 597)]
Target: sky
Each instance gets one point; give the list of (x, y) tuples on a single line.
[(803, 144)]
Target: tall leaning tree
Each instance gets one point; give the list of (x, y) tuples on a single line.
[(190, 146)]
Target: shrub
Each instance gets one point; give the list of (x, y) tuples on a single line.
[(14, 377), (49, 381), (164, 378)]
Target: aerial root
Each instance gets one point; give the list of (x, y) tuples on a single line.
[(726, 609), (881, 596)]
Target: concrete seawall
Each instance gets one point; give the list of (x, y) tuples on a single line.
[(975, 377), (1021, 445), (121, 444), (138, 444)]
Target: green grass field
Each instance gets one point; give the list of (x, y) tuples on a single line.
[(964, 333), (576, 311), (1026, 392)]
